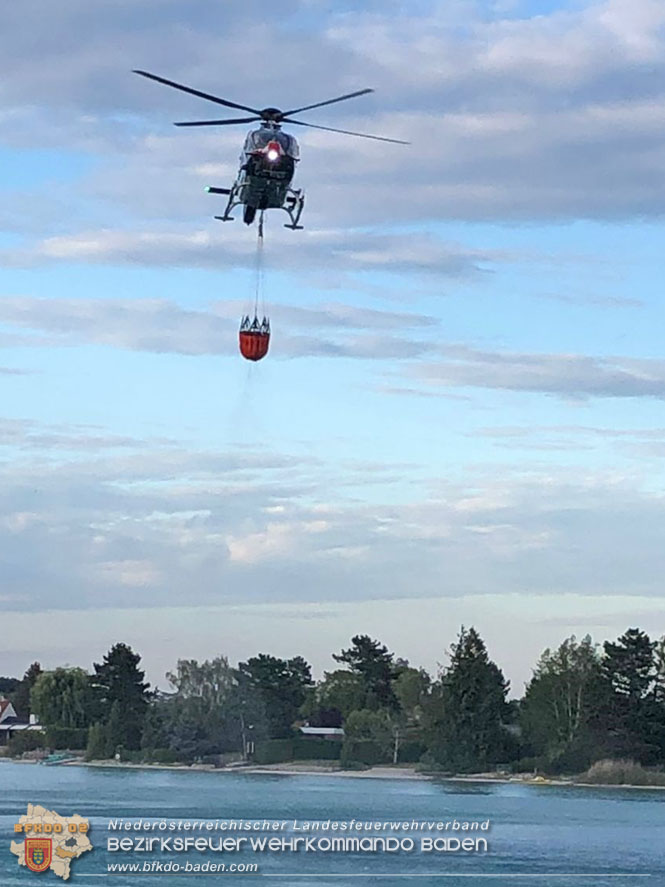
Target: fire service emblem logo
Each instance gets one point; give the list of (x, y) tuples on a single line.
[(38, 853), (46, 841)]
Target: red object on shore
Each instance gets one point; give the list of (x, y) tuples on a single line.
[(254, 343)]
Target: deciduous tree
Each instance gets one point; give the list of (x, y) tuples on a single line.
[(560, 707), (63, 698)]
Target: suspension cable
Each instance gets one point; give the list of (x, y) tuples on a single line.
[(258, 296)]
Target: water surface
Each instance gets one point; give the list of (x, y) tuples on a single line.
[(539, 834)]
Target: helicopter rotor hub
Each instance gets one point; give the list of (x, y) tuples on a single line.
[(272, 115)]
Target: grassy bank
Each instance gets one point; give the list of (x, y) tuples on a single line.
[(623, 772)]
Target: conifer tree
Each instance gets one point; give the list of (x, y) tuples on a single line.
[(375, 664), (467, 707), (631, 717), (119, 679)]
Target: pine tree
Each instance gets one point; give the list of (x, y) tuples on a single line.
[(373, 662), (119, 679), (465, 712), (280, 685), (21, 696), (629, 665), (629, 671), (656, 701)]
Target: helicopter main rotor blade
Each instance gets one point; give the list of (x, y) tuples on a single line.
[(362, 135), (197, 92), (217, 122), (341, 98)]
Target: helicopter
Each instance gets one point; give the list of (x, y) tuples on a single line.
[(269, 156)]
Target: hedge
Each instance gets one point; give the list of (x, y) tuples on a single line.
[(411, 752), (364, 750), (25, 740), (273, 751), (316, 749), (161, 756), (66, 738)]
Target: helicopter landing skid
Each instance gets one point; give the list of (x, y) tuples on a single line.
[(234, 200), (293, 205)]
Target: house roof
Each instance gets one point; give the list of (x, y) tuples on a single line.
[(6, 710), (322, 731), (12, 726)]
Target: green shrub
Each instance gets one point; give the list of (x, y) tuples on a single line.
[(96, 746), (365, 750), (316, 749), (25, 741), (213, 760), (160, 756), (132, 757), (411, 752), (354, 765), (429, 765), (573, 760), (530, 765), (273, 751), (70, 738)]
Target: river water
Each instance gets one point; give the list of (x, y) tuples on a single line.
[(545, 834)]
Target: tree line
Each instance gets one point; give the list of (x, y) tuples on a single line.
[(583, 703)]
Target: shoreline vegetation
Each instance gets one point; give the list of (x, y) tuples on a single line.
[(592, 779), (589, 715)]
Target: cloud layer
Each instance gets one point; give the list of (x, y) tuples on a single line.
[(333, 330), (565, 375), (555, 116), (347, 253), (512, 119), (143, 524)]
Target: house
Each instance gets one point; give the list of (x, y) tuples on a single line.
[(322, 732), (10, 724)]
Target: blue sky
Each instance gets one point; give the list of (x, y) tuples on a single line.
[(460, 420)]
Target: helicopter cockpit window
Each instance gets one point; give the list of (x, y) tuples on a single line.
[(259, 139)]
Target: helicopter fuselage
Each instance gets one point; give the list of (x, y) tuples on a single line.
[(267, 167)]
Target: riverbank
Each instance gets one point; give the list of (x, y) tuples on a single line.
[(310, 768), (292, 768)]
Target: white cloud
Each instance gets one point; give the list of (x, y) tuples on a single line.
[(257, 526), (348, 252), (565, 375), (555, 116), (331, 330), (162, 326), (558, 116)]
